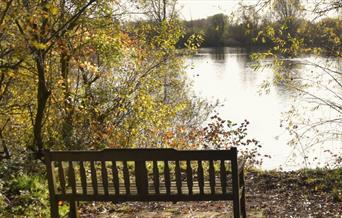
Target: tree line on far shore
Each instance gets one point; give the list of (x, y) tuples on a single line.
[(246, 29)]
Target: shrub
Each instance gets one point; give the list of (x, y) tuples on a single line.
[(23, 189)]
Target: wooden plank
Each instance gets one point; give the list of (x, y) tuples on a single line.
[(71, 177), (83, 178), (115, 178), (141, 155), (52, 185), (126, 177), (243, 194), (236, 186), (200, 177), (73, 209), (93, 176), (178, 178), (156, 177), (141, 177), (151, 188), (212, 176), (223, 177), (61, 176), (189, 176), (167, 177), (160, 197), (104, 177), (50, 166)]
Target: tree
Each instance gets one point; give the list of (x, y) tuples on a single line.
[(287, 9), (37, 28), (160, 10), (322, 37), (85, 80), (215, 29)]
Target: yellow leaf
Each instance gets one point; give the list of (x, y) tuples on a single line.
[(54, 10), (38, 45)]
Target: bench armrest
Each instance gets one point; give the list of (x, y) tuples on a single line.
[(241, 165)]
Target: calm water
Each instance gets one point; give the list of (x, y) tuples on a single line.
[(226, 74)]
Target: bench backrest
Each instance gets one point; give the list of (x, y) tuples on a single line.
[(139, 171)]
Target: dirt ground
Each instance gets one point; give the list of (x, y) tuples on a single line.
[(268, 195)]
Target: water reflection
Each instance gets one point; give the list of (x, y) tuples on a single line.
[(217, 54), (226, 74)]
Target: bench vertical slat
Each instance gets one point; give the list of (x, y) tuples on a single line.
[(141, 177), (200, 177), (115, 178), (83, 178), (156, 177), (178, 178), (104, 177), (93, 177), (167, 177), (189, 176), (212, 176), (126, 178), (61, 176), (71, 177), (223, 176)]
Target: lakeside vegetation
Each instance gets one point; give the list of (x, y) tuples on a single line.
[(249, 31), (80, 75)]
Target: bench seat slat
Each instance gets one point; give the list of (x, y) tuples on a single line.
[(160, 197), (133, 189)]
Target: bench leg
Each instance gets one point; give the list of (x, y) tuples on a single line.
[(73, 213), (236, 191), (243, 194), (54, 209), (243, 204), (237, 208)]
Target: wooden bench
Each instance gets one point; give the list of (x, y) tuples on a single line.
[(121, 175)]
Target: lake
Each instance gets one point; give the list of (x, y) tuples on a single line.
[(226, 74)]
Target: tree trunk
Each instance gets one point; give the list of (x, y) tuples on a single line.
[(42, 97), (67, 128)]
